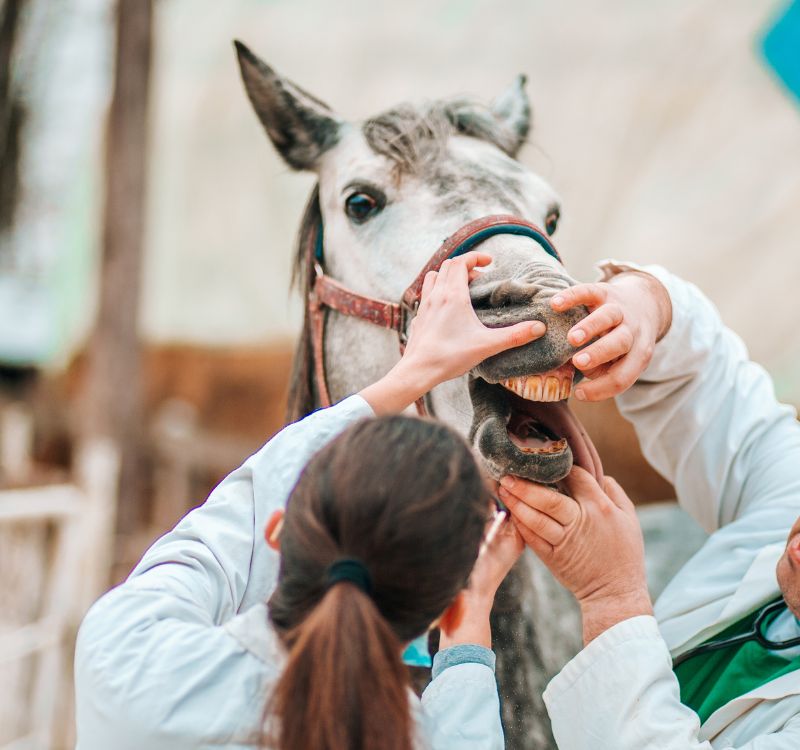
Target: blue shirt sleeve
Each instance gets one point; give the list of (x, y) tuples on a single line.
[(467, 653)]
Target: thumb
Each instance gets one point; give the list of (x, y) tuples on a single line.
[(509, 337), (617, 494)]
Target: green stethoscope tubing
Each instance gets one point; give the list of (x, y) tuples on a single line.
[(754, 634)]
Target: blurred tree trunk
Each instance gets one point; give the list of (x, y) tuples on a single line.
[(112, 405), (12, 114)]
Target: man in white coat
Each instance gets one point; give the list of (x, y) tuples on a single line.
[(708, 420)]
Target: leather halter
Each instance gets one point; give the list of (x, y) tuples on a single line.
[(327, 293)]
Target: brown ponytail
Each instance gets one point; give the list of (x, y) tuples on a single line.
[(340, 691), (405, 498)]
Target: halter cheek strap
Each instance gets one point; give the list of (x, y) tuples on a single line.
[(327, 293)]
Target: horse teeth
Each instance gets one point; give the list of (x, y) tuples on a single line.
[(539, 387)]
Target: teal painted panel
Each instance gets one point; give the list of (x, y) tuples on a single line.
[(781, 48)]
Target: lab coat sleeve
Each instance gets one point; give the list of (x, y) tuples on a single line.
[(707, 417), (462, 709), (620, 693), (151, 655)]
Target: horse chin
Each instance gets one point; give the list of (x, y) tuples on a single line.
[(523, 426)]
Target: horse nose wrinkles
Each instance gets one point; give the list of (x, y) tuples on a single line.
[(518, 291)]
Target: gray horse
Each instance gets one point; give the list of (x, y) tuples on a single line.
[(390, 190)]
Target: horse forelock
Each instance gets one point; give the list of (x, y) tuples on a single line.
[(414, 136)]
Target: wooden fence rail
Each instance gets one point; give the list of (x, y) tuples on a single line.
[(73, 560)]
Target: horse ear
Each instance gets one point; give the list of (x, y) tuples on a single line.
[(513, 109), (300, 126)]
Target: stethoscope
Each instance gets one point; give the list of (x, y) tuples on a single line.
[(755, 634)]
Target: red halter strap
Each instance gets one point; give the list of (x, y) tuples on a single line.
[(327, 293)]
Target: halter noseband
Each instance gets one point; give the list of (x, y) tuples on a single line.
[(325, 292)]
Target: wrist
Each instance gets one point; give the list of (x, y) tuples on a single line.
[(473, 626), (478, 603), (602, 611), (656, 291), (397, 390)]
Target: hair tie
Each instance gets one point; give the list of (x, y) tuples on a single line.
[(349, 570)]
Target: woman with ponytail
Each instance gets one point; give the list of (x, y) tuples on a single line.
[(373, 531), (372, 553)]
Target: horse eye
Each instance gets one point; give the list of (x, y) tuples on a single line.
[(551, 222), (361, 206)]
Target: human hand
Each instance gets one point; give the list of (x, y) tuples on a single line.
[(495, 559), (591, 541), (628, 315), (501, 548), (446, 339)]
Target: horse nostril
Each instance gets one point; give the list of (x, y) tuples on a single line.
[(512, 293)]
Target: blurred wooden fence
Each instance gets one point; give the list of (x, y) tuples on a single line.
[(55, 554)]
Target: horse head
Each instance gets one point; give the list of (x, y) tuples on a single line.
[(390, 189)]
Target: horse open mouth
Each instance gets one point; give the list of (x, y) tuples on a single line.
[(523, 426)]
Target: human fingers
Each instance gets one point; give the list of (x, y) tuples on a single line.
[(618, 378), (596, 372), (591, 295), (428, 285), (618, 495), (541, 547), (604, 318), (560, 508), (499, 339), (539, 523), (507, 544), (475, 259), (444, 270), (457, 280), (613, 345), (584, 489)]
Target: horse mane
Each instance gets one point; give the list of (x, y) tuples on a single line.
[(302, 399), (411, 137)]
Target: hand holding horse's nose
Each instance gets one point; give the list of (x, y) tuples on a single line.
[(446, 338)]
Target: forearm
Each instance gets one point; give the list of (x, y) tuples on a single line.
[(463, 709), (398, 389), (473, 627), (620, 692), (707, 417), (216, 555), (625, 694)]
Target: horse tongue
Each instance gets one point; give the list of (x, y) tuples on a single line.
[(564, 423)]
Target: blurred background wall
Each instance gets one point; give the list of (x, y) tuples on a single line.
[(667, 135)]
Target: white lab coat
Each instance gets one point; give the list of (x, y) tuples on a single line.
[(708, 420), (181, 655)]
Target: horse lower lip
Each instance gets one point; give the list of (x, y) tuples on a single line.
[(559, 422)]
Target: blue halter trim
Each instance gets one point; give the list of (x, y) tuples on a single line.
[(522, 231), (539, 237)]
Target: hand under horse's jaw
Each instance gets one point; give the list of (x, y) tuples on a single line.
[(522, 425)]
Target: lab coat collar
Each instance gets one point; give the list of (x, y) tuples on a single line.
[(758, 586), (782, 687)]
